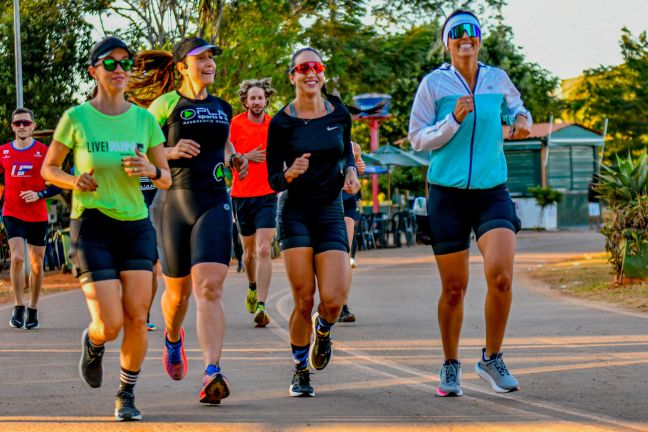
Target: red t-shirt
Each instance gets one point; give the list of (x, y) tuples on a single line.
[(247, 136), (22, 169)]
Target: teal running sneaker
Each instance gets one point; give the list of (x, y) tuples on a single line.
[(450, 380), (495, 372)]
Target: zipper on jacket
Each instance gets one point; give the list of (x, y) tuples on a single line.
[(472, 138)]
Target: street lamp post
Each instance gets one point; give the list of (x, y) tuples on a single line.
[(18, 54)]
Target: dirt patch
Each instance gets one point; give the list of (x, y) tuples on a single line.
[(590, 277), (54, 281)]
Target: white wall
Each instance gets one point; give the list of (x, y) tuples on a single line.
[(528, 211)]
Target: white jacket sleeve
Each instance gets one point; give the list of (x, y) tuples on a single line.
[(512, 104), (426, 132)]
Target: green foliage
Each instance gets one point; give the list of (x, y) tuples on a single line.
[(545, 196), (55, 42), (625, 187), (620, 94)]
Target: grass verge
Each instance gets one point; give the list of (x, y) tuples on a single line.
[(591, 277)]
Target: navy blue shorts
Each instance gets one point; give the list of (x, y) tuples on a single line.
[(255, 212), (453, 213), (192, 227), (102, 247), (307, 224), (351, 208), (33, 232)]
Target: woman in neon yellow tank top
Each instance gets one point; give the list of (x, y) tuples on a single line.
[(113, 241)]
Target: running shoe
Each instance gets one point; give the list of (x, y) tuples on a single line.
[(90, 368), (495, 372), (353, 263), (215, 388), (32, 319), (450, 380), (321, 349), (346, 315), (174, 358), (301, 385), (239, 268), (125, 409), (251, 301), (17, 317), (261, 317), (150, 326)]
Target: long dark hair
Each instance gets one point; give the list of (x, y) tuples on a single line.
[(334, 99), (153, 75)]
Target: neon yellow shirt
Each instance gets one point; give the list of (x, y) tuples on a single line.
[(99, 142)]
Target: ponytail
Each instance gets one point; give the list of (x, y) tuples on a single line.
[(334, 99), (153, 75)]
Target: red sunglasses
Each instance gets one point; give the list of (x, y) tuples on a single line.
[(19, 123), (304, 68)]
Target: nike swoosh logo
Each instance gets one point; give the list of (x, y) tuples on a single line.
[(329, 128)]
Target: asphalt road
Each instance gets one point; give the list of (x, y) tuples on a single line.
[(582, 366)]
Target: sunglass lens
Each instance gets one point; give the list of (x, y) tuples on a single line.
[(303, 68), (22, 123), (126, 64), (110, 65), (458, 31)]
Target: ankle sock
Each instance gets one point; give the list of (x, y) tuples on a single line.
[(212, 369), (451, 362), (127, 380), (323, 327), (252, 286), (300, 356)]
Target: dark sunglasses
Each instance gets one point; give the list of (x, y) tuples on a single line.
[(304, 68), (458, 31), (22, 123), (111, 64)]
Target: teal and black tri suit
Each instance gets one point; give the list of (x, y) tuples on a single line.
[(193, 218), (467, 172)]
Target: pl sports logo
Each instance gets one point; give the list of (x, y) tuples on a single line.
[(21, 169), (203, 115)]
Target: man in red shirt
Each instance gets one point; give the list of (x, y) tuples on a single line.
[(25, 213), (254, 201)]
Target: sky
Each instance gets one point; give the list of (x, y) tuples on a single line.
[(569, 36)]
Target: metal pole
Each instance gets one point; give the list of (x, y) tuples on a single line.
[(600, 161), (374, 128), (18, 55)]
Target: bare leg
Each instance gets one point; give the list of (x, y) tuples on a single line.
[(453, 269), (264, 238), (36, 256), (208, 279), (136, 299), (299, 268), (498, 248), (333, 282), (250, 257), (106, 311), (175, 302), (17, 272)]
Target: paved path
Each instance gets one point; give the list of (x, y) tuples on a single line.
[(581, 366)]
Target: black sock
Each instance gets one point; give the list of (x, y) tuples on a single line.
[(262, 304), (127, 380), (95, 349), (450, 361), (252, 286)]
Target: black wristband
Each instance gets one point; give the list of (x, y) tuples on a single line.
[(231, 160), (158, 173), (40, 194)]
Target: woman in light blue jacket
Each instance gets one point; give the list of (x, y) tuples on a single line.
[(457, 115)]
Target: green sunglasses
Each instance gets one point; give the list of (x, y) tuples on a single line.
[(458, 31), (111, 64)]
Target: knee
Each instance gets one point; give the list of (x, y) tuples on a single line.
[(249, 255), (37, 266), (304, 307), (501, 282), (136, 322), (263, 251), (111, 330), (17, 259), (333, 306), (454, 292), (176, 298), (209, 289)]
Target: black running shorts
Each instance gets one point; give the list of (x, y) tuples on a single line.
[(307, 224), (453, 213), (255, 212), (102, 247), (33, 232), (351, 208), (193, 227)]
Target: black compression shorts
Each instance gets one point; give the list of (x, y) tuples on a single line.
[(320, 227), (192, 227), (255, 212), (102, 247), (33, 232), (453, 213), (351, 208)]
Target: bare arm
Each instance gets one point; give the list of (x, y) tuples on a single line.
[(52, 172)]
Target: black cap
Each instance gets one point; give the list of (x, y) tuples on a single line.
[(104, 47), (186, 46)]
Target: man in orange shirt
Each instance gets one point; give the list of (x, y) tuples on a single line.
[(254, 201)]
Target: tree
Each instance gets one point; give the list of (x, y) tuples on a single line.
[(55, 42), (620, 94)]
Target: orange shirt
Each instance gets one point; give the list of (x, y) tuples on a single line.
[(247, 136)]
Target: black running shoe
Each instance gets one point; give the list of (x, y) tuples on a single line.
[(125, 409), (320, 350), (346, 315), (17, 317), (90, 368), (301, 386), (32, 319)]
